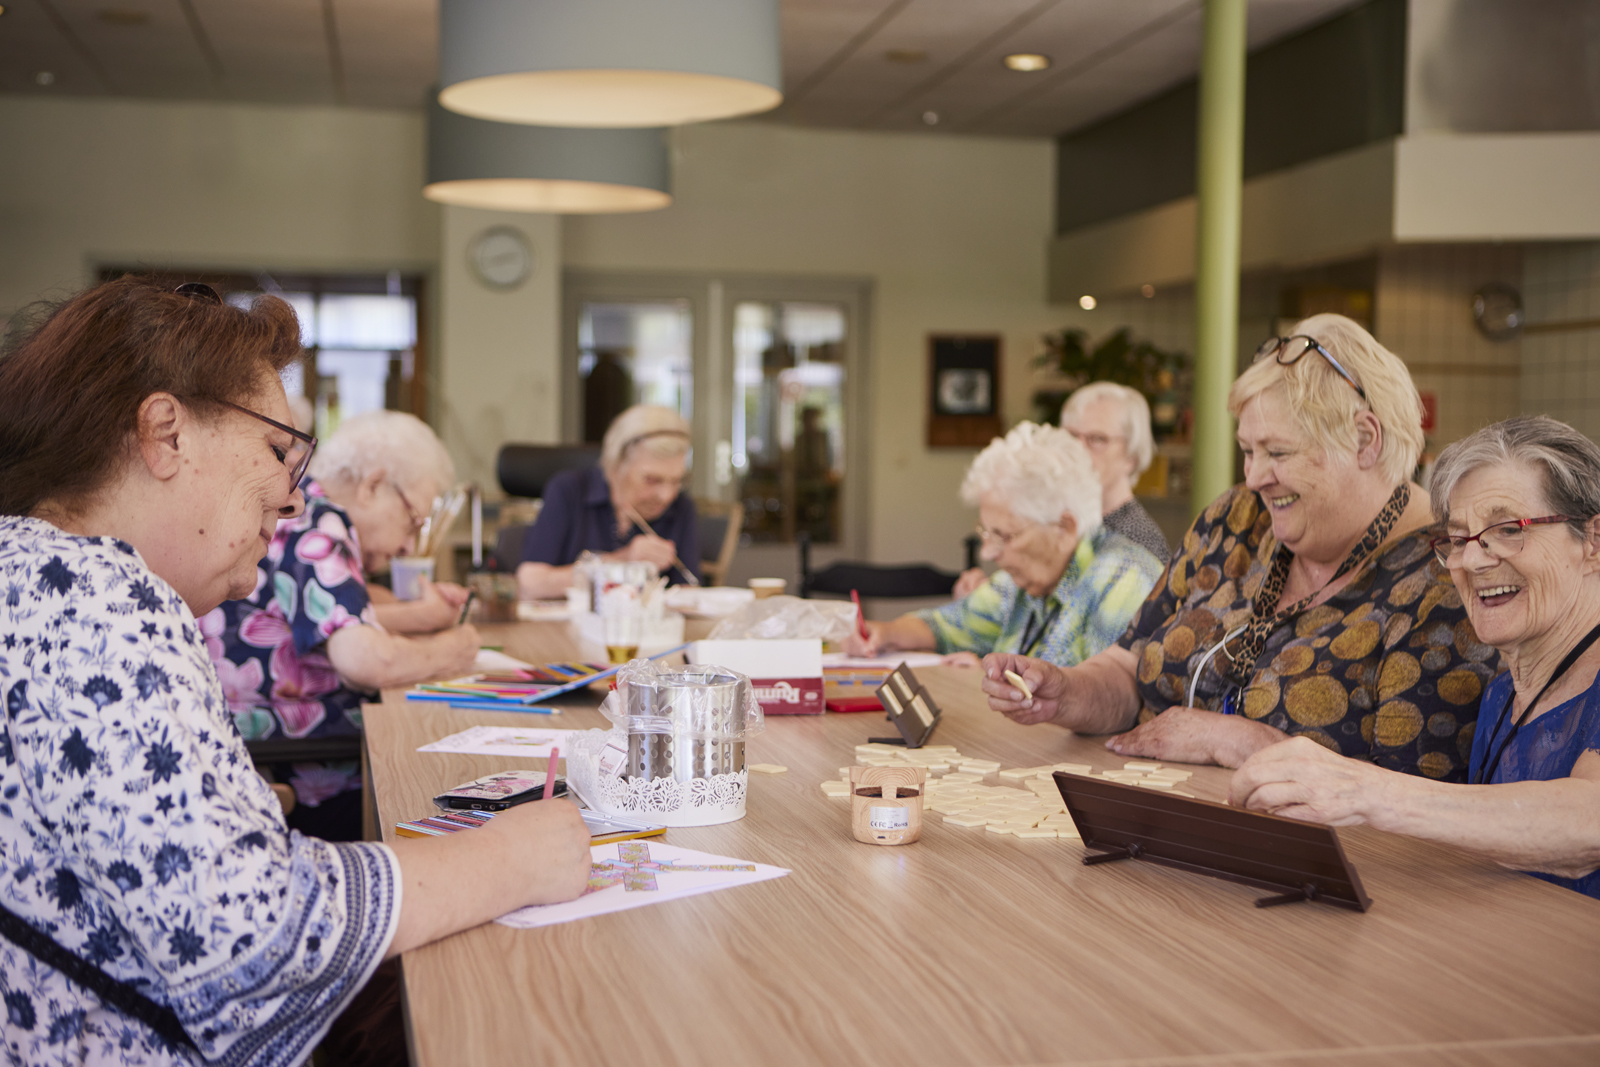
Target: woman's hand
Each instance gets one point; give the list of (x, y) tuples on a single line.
[(554, 841), (1194, 735), (865, 647), (1048, 682), (1301, 779), (968, 583), (964, 660), (647, 548), (438, 606)]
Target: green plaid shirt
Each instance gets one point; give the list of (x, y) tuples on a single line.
[(1088, 610)]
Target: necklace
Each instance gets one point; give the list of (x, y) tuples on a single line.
[(1572, 657)]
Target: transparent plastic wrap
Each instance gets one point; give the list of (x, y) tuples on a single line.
[(780, 617), (676, 752)]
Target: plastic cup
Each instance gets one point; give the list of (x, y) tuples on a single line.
[(765, 587), (404, 572)]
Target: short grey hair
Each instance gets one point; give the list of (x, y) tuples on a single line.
[(1568, 461), (1135, 417), (643, 428), (1040, 473), (400, 445)]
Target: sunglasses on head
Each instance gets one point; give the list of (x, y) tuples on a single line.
[(1290, 350)]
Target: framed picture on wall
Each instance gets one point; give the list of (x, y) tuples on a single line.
[(963, 390)]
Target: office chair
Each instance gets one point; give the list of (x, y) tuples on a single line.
[(720, 525), (872, 580), (524, 470)]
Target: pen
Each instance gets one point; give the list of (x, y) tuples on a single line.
[(550, 772), (861, 617), (466, 606)]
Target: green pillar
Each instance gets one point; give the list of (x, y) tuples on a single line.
[(1218, 177)]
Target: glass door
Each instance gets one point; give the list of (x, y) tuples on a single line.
[(636, 352)]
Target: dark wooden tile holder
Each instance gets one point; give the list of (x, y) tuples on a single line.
[(1300, 860), (901, 694)]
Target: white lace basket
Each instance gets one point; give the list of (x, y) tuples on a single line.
[(705, 801)]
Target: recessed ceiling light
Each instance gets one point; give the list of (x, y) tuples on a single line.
[(1027, 61), (1087, 302), (1147, 290), (44, 77), (905, 55), (930, 118)]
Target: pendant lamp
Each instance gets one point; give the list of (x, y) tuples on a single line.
[(509, 167), (601, 63)]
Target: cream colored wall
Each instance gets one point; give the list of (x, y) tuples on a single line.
[(952, 231), (89, 181), (1561, 368), (498, 369)]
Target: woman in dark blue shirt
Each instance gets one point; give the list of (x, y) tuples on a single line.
[(644, 459), (1521, 500)]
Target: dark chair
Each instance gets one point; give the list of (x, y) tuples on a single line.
[(871, 580), (524, 469), (507, 547), (719, 526)]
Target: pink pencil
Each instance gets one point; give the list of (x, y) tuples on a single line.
[(550, 772)]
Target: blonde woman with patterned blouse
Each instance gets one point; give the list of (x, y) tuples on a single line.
[(1305, 602)]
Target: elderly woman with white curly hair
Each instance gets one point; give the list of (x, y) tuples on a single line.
[(1067, 585), (301, 655)]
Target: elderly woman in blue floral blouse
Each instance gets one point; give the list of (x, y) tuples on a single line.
[(157, 909)]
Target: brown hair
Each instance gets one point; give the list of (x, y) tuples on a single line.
[(70, 389)]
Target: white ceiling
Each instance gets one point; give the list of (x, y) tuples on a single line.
[(866, 64)]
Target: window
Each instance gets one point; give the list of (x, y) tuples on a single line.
[(634, 353)]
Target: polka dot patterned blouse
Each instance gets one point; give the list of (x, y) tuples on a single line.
[(1387, 669)]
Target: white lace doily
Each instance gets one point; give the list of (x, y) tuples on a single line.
[(697, 802)]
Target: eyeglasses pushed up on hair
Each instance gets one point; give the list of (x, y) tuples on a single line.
[(1499, 541), (1290, 350)]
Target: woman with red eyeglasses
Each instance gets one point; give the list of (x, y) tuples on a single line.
[(1521, 504), (157, 908)]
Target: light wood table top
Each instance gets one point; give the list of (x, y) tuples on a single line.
[(975, 948)]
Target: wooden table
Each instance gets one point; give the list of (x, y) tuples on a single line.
[(975, 948)]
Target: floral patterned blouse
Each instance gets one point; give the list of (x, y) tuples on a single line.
[(270, 649), (1387, 669), (136, 833)]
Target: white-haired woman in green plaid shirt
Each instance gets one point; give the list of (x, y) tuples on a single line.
[(1067, 585)]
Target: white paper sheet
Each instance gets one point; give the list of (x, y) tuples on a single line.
[(490, 660), (504, 741), (888, 659), (631, 874)]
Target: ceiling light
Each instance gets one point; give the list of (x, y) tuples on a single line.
[(905, 55), (44, 77), (1147, 290), (473, 163), (609, 63), (1087, 302), (930, 118), (1027, 61)]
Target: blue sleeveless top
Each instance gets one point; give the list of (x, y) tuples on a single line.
[(1542, 751)]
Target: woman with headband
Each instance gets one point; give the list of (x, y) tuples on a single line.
[(1305, 602), (631, 507)]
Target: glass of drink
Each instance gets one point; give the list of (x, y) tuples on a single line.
[(624, 621)]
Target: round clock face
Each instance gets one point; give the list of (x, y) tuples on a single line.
[(501, 257)]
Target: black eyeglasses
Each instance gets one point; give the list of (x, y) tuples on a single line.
[(298, 456), (1289, 350), (200, 291)]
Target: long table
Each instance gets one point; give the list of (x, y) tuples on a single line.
[(970, 947)]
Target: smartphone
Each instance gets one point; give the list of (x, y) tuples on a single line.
[(466, 606), (497, 792)]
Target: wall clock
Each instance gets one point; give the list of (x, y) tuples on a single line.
[(501, 257)]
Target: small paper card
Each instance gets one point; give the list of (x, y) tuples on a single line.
[(635, 873), (502, 741)]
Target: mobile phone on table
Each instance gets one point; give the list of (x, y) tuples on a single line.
[(497, 792)]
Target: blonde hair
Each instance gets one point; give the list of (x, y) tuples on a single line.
[(1324, 405), (647, 428), (1040, 473), (1135, 411)]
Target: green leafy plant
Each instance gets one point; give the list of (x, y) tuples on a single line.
[(1163, 377)]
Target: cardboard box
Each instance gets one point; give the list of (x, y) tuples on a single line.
[(787, 675)]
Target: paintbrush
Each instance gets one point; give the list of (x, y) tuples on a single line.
[(638, 520)]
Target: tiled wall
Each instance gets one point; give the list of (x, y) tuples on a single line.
[(1561, 369), (1423, 313)]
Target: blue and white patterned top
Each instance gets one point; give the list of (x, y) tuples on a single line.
[(135, 831)]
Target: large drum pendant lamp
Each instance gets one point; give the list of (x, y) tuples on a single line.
[(609, 62), (508, 167)]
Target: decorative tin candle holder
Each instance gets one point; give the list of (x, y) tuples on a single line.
[(886, 804)]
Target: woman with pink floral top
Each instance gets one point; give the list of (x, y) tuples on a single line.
[(309, 646)]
